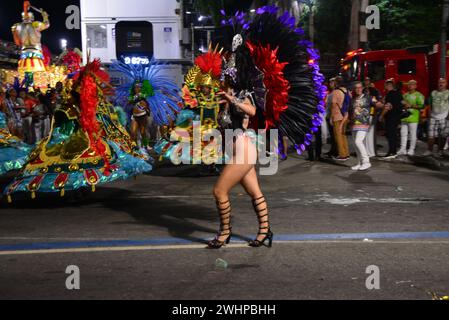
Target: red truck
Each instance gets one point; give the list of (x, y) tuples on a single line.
[(420, 63)]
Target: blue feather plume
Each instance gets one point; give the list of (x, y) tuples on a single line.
[(166, 101)]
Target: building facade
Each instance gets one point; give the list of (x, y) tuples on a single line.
[(99, 19)]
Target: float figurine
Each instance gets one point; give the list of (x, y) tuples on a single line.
[(202, 106), (27, 35)]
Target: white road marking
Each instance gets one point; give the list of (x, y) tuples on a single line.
[(340, 201), (203, 247)]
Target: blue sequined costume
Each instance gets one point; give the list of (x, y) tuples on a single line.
[(13, 152)]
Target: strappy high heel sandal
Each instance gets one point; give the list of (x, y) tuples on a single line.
[(261, 208), (225, 226)]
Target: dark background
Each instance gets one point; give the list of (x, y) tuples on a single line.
[(11, 10)]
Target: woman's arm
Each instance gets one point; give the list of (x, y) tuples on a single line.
[(246, 106)]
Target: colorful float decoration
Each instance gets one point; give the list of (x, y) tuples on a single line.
[(34, 65)]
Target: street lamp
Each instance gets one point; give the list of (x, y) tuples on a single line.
[(63, 44)]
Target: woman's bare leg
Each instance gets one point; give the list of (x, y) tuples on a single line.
[(134, 130), (231, 176), (243, 161), (142, 123), (251, 185)]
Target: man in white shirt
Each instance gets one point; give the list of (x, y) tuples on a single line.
[(439, 101)]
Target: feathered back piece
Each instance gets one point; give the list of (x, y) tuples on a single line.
[(161, 93), (292, 80)]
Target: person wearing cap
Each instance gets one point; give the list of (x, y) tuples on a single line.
[(439, 102), (414, 102), (391, 114), (370, 89)]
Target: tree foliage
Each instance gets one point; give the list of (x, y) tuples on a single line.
[(332, 21), (212, 7), (404, 23), (407, 23)]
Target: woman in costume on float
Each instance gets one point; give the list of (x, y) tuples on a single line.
[(272, 73), (150, 94)]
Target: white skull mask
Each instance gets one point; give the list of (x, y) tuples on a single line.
[(237, 42)]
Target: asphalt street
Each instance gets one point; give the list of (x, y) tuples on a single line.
[(144, 238)]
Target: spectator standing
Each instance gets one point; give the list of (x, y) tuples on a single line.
[(371, 141), (439, 102), (339, 118), (414, 102), (360, 118), (13, 107), (391, 114), (39, 117), (370, 89), (333, 151), (30, 102)]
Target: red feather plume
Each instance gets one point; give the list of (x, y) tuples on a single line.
[(210, 63), (275, 82), (72, 61), (89, 100), (47, 55)]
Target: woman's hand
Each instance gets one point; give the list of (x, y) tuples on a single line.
[(225, 97)]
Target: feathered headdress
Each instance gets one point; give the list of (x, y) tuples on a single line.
[(207, 70)]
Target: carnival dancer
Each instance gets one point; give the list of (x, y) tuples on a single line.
[(290, 98), (150, 94), (87, 145)]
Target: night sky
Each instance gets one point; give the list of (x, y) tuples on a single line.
[(11, 10)]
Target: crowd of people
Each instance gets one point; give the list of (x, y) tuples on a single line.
[(29, 112), (363, 111)]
